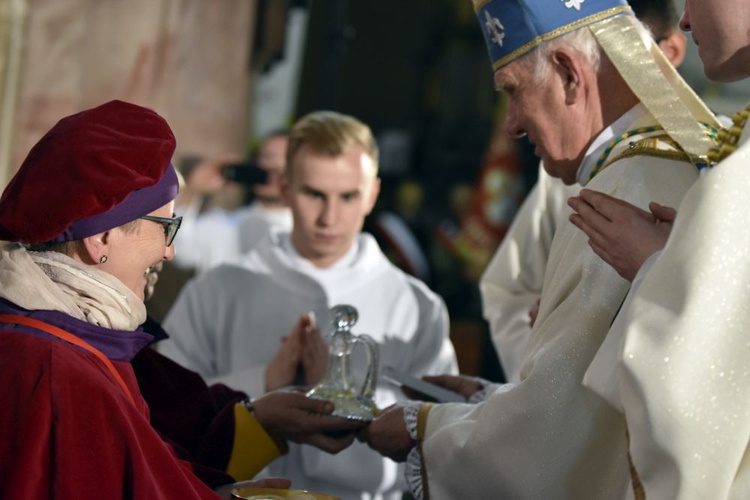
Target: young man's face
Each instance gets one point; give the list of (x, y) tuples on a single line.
[(721, 30), (330, 196)]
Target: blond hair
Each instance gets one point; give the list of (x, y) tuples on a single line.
[(330, 133)]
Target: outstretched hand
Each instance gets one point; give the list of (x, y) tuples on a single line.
[(206, 178), (462, 384), (387, 434), (293, 416), (623, 235)]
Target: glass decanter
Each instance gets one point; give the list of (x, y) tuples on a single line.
[(338, 385)]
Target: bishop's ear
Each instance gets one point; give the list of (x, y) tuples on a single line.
[(570, 69)]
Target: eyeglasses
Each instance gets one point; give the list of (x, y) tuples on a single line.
[(171, 225)]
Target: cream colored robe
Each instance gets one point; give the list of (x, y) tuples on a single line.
[(548, 436), (684, 377), (512, 282)]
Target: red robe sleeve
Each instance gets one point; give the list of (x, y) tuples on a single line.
[(68, 431), (197, 420)]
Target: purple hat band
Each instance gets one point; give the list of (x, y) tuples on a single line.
[(137, 204)]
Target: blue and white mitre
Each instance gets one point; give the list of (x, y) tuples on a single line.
[(511, 28)]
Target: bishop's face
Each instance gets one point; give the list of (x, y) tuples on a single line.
[(538, 108), (721, 30)]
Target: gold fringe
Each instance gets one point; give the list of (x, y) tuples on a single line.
[(657, 85), (421, 429), (641, 149), (639, 492)]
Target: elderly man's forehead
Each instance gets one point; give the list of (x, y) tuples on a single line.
[(508, 76)]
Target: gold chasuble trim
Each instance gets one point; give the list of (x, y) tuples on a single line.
[(639, 492), (729, 137), (656, 84), (252, 448), (640, 149), (421, 430)]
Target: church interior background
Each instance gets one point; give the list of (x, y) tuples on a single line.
[(224, 72)]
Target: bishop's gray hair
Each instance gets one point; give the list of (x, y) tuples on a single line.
[(582, 41)]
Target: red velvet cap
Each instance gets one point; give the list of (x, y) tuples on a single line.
[(92, 171)]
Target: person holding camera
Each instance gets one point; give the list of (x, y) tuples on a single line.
[(213, 234)]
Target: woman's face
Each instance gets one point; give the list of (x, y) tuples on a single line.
[(132, 253)]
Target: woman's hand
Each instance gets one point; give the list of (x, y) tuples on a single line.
[(293, 416)]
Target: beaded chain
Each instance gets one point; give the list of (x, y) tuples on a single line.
[(729, 137), (710, 131), (614, 142)]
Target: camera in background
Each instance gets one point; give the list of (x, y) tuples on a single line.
[(247, 174)]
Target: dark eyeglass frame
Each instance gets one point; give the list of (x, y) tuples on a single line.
[(171, 226)]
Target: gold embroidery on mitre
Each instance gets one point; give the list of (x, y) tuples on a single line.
[(562, 30)]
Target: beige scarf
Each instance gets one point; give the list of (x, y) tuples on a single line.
[(53, 281)]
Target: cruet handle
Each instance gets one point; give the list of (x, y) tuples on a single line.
[(367, 392)]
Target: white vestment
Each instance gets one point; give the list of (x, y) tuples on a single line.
[(683, 379), (223, 236), (548, 436), (512, 282), (228, 323)]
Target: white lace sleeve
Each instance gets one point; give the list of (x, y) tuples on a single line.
[(413, 469)]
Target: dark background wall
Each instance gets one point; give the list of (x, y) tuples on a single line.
[(417, 72)]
